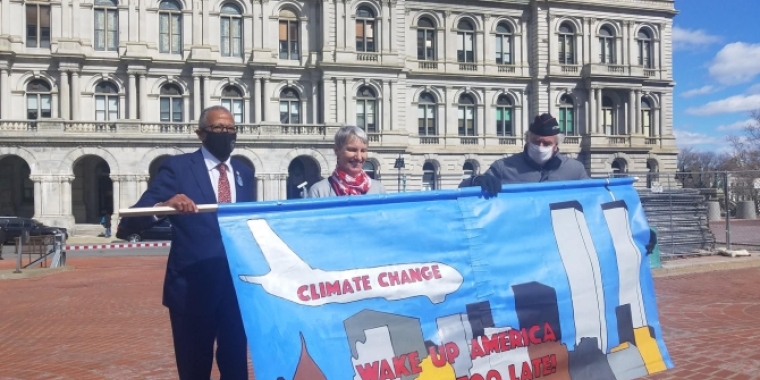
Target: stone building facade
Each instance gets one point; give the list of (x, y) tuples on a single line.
[(95, 93)]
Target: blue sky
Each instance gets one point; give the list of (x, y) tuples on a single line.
[(716, 63)]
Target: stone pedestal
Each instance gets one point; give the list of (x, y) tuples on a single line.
[(713, 210), (746, 210)]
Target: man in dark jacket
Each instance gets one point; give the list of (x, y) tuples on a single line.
[(539, 161)]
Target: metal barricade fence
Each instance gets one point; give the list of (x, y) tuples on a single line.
[(693, 215)]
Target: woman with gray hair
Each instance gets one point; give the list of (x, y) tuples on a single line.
[(349, 177)]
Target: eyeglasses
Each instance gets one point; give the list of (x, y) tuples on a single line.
[(221, 129)]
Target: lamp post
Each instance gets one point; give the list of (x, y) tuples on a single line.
[(399, 165)]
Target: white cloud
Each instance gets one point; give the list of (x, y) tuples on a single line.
[(702, 141), (739, 125), (687, 39), (704, 90), (736, 63), (754, 89), (736, 103)]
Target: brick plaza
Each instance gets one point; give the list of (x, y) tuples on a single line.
[(104, 320)]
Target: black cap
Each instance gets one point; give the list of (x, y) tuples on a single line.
[(544, 125)]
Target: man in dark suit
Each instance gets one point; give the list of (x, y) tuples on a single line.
[(198, 288)]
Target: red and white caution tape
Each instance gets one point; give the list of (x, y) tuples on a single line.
[(117, 246)]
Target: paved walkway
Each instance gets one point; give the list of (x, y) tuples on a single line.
[(104, 320)]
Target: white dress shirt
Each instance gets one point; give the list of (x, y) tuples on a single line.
[(212, 164)]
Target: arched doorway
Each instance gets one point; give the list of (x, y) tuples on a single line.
[(92, 190), (16, 189), (429, 177), (302, 169), (619, 167), (249, 164), (155, 165)]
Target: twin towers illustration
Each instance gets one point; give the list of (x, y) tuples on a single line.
[(637, 352)]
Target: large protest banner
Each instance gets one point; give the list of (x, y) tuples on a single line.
[(545, 280)]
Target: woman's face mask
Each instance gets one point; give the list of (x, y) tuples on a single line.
[(540, 154)]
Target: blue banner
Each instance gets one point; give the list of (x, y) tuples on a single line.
[(546, 280)]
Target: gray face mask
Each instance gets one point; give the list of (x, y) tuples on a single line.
[(540, 154)]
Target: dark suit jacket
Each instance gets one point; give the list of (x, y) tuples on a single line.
[(197, 272)]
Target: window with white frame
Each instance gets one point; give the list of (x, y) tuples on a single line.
[(644, 51), (170, 100), (290, 106), (566, 115), (231, 33), (465, 41), (169, 27), (606, 45), (426, 39), (366, 109), (106, 102), (37, 25), (504, 116), (429, 177), (503, 44), (566, 45), (232, 99), (38, 100), (365, 30), (466, 115), (106, 25), (646, 117), (289, 47), (426, 114), (608, 116)]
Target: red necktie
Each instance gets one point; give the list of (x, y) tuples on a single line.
[(225, 196)]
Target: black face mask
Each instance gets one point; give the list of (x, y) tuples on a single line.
[(220, 144)]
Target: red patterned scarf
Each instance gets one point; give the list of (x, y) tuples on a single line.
[(344, 184)]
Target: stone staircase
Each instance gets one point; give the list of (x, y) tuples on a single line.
[(88, 230)]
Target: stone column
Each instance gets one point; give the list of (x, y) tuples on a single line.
[(283, 181), (259, 188), (386, 107), (196, 97), (66, 195), (142, 185), (656, 127), (265, 100), (143, 27), (53, 108), (116, 200), (206, 91), (591, 129), (637, 114), (340, 22), (64, 95), (132, 97), (393, 87), (65, 22), (76, 26), (598, 111), (340, 102), (75, 95), (6, 17), (4, 98), (206, 29), (185, 108), (197, 24), (326, 28), (257, 98), (37, 196), (132, 25), (631, 113), (143, 95)]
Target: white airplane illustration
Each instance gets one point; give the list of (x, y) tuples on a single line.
[(293, 279)]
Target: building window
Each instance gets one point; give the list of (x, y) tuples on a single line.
[(466, 115), (106, 102), (504, 116), (369, 168), (288, 35), (232, 31), (606, 45), (290, 106), (106, 25), (38, 100), (465, 42), (619, 166), (566, 44), (646, 117), (644, 43), (171, 103), (365, 30), (38, 26), (425, 40), (469, 169), (169, 27), (366, 106), (426, 114), (608, 116), (566, 115), (503, 44), (429, 178), (232, 99)]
